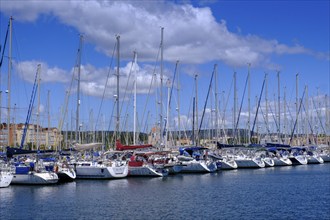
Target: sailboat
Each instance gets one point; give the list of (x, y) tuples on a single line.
[(196, 160), (143, 163), (227, 161), (32, 171), (102, 167), (279, 153), (147, 164), (246, 160), (297, 156), (6, 175), (313, 157)]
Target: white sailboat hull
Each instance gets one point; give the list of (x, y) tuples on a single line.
[(5, 179), (282, 162), (325, 158), (198, 167), (250, 163), (101, 172), (147, 171), (299, 160), (228, 165), (269, 162), (315, 160), (34, 178)]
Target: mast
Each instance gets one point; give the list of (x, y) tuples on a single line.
[(66, 137), (224, 132), (266, 100), (297, 101), (134, 104), (327, 115), (279, 107), (196, 107), (91, 126), (297, 118), (14, 125), (161, 86), (234, 111), (103, 129), (193, 122), (178, 97), (257, 123), (38, 109), (78, 89), (249, 104), (48, 116), (205, 104), (216, 101), (117, 97), (9, 76), (285, 117), (256, 115), (306, 117), (168, 83), (316, 117)]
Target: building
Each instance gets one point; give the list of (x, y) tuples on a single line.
[(35, 135)]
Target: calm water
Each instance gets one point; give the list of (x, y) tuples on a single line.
[(299, 192)]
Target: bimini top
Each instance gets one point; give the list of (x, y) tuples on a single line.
[(193, 148), (220, 145), (298, 148), (277, 145)]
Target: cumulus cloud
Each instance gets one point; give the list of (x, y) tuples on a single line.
[(192, 34), (93, 80), (27, 70)]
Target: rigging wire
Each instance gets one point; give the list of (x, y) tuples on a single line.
[(150, 87), (105, 87), (240, 109)]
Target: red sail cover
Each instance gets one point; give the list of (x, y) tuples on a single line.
[(121, 147)]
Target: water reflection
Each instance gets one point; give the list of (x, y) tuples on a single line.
[(118, 183), (232, 194)]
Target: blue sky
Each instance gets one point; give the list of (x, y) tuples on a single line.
[(287, 36)]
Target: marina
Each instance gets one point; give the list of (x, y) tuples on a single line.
[(284, 192), (164, 110)]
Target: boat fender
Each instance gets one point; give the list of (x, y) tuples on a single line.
[(56, 169)]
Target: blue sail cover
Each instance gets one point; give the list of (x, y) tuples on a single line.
[(220, 146), (278, 145), (11, 151), (272, 149)]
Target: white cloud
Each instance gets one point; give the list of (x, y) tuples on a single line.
[(92, 79), (191, 34), (28, 69)]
